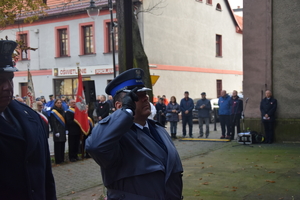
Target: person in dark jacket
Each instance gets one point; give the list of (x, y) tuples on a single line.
[(110, 102), (161, 111), (137, 156), (74, 132), (59, 131), (173, 109), (268, 108), (102, 108), (25, 167), (236, 109), (186, 108), (204, 107), (224, 114), (43, 115)]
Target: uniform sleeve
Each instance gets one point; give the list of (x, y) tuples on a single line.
[(50, 184), (273, 108), (49, 179), (104, 142), (54, 123)]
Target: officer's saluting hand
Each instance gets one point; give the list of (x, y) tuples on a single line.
[(128, 102)]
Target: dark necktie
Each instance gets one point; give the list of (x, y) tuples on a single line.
[(147, 131), (157, 140)]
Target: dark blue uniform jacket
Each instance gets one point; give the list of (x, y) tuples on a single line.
[(25, 167), (268, 106), (132, 162)]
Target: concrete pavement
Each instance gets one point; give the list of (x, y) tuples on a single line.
[(212, 170)]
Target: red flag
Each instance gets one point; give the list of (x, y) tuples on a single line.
[(81, 116), (30, 101)]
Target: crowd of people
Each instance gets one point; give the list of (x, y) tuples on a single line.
[(230, 113)]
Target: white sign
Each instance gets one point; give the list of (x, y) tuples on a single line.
[(92, 70)]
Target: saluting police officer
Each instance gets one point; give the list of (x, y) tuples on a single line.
[(137, 156), (25, 167)]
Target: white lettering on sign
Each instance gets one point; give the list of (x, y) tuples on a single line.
[(64, 72), (104, 71)]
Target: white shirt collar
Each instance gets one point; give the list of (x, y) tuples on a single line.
[(141, 127)]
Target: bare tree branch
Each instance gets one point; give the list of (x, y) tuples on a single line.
[(153, 7)]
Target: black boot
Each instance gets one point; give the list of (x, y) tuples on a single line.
[(174, 136)]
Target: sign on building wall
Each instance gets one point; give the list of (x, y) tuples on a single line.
[(91, 70)]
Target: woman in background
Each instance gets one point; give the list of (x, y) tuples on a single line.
[(173, 109)]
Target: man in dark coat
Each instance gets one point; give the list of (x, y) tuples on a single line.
[(204, 107), (236, 109), (102, 108), (161, 111), (186, 107), (137, 156), (74, 132), (25, 167), (43, 115), (268, 108)]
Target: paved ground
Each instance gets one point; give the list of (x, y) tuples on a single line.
[(212, 170)]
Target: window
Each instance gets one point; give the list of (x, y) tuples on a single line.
[(62, 41), (209, 2), (218, 45), (66, 87), (87, 39), (219, 88), (218, 7), (24, 43), (108, 44)]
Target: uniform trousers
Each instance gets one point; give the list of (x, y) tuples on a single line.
[(269, 130), (59, 152), (73, 142)]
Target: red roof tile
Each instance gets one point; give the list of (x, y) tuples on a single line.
[(239, 20)]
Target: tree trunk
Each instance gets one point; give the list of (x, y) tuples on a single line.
[(124, 10), (140, 59)]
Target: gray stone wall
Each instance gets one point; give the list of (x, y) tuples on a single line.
[(286, 58), (257, 51)]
